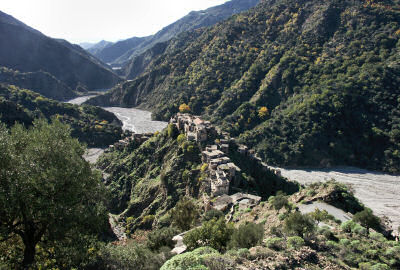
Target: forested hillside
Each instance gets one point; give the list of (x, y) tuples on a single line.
[(91, 125), (307, 83), (39, 81)]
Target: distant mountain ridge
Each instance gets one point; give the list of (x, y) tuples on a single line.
[(122, 52), (97, 47), (25, 49)]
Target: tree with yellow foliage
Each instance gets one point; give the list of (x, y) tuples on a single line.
[(263, 112), (184, 108)]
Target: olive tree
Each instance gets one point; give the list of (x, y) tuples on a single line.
[(47, 189)]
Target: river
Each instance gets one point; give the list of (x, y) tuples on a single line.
[(378, 191), (138, 121)]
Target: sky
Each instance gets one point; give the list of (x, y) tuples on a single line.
[(94, 20)]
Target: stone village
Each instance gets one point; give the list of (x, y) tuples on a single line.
[(215, 145)]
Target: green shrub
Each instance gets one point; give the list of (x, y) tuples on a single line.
[(247, 236), (327, 233), (364, 266), (184, 214), (372, 254), (367, 219), (147, 221), (348, 226), (380, 266), (377, 237), (128, 257), (213, 233), (181, 139), (172, 131), (392, 252), (299, 224), (279, 201), (190, 260), (243, 252), (276, 243), (360, 230), (332, 244), (213, 213), (282, 216), (161, 238), (295, 242), (319, 215), (344, 241)]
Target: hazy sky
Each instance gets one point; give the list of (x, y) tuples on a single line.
[(94, 20)]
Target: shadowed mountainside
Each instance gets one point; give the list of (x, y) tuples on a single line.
[(27, 50)]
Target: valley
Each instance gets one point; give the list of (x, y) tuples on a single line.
[(376, 190), (256, 134)]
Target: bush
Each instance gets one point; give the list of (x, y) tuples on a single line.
[(190, 260), (299, 224), (344, 242), (247, 236), (295, 242), (172, 131), (276, 243), (319, 215), (161, 238), (279, 201), (367, 219), (147, 221), (360, 230), (128, 257), (213, 213), (332, 244), (348, 226), (327, 233), (380, 266), (181, 139), (377, 237), (213, 233), (184, 214)]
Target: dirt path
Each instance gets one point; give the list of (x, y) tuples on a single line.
[(378, 191)]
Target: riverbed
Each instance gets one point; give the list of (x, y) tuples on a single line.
[(378, 191), (135, 120)]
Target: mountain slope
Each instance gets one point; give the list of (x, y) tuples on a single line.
[(91, 125), (327, 74), (27, 50), (121, 52), (41, 82), (94, 48)]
